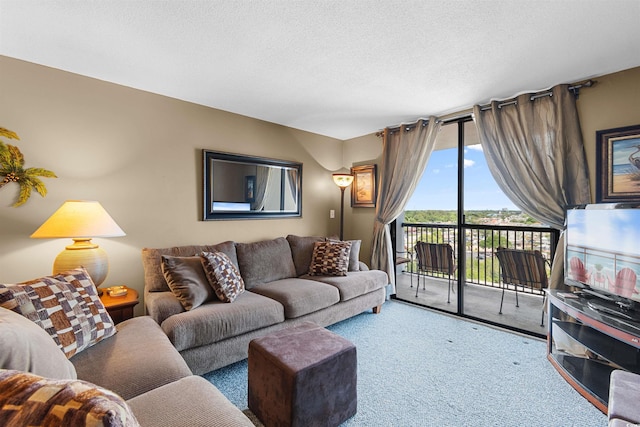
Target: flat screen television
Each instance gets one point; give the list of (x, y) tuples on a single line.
[(602, 251)]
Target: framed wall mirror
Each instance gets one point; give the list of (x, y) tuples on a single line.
[(246, 187)]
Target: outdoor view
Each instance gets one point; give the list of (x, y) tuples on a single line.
[(491, 219)]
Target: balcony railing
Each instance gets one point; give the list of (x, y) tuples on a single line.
[(481, 241)]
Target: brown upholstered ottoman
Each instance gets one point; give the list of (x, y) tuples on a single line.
[(302, 376)]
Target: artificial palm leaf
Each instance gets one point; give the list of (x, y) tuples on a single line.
[(12, 170)]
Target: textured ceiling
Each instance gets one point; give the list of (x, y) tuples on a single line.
[(337, 68)]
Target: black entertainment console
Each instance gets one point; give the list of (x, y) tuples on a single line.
[(590, 337)]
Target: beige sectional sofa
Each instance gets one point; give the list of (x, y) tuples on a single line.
[(279, 293)]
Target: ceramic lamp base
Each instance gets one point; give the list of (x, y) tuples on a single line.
[(84, 253)]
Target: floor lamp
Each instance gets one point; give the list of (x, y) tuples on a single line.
[(342, 180)]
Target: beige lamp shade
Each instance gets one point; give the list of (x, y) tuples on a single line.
[(342, 180), (81, 220)]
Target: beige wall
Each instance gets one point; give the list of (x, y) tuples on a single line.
[(613, 102), (139, 154)]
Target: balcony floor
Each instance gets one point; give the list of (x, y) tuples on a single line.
[(482, 302)]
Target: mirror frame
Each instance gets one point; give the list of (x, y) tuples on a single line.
[(209, 156)]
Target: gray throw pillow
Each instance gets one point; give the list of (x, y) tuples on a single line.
[(187, 280), (354, 255), (25, 346), (301, 250)]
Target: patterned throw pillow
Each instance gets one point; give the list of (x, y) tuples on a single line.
[(223, 275), (30, 400), (330, 259), (66, 305)]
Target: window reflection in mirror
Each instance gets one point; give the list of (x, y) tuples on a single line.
[(237, 186)]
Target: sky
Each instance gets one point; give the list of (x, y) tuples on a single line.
[(437, 189)]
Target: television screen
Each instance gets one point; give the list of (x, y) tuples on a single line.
[(602, 249)]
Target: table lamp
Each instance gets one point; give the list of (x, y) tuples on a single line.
[(81, 221), (342, 180)]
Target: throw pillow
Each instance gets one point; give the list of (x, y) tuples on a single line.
[(66, 305), (330, 259), (25, 346), (223, 275), (30, 400), (186, 279), (354, 255)]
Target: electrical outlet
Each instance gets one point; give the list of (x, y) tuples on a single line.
[(332, 213)]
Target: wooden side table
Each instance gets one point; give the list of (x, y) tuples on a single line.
[(120, 308)]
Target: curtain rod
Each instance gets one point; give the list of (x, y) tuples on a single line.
[(574, 88)]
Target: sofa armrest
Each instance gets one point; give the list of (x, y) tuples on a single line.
[(161, 305), (363, 266), (138, 358), (190, 401)]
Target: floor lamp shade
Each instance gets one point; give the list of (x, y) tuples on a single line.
[(81, 221)]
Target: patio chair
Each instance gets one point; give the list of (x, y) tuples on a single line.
[(405, 257), (435, 258), (523, 268)]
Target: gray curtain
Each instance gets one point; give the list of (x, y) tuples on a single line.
[(404, 157), (535, 152)]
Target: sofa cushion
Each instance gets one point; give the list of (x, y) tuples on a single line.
[(154, 280), (31, 400), (187, 280), (299, 296), (216, 321), (193, 401), (66, 305), (330, 259), (137, 359), (265, 261), (355, 283), (223, 275), (25, 346), (302, 250)]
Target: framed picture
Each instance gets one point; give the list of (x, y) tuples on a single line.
[(618, 165), (363, 189), (250, 188)]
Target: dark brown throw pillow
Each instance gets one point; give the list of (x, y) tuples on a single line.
[(330, 259), (187, 280)]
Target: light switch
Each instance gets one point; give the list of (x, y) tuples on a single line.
[(332, 213)]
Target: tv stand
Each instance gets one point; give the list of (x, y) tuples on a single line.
[(589, 338), (607, 309)]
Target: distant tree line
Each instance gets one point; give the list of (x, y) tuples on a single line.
[(472, 217)]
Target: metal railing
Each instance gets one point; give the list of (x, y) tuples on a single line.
[(481, 241)]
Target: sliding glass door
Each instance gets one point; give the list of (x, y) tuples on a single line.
[(459, 204)]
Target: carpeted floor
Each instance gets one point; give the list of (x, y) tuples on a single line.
[(421, 368)]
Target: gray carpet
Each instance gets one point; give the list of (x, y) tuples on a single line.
[(421, 368)]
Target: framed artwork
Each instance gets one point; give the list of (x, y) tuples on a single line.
[(618, 165), (363, 189), (250, 188)]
